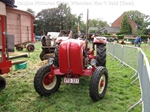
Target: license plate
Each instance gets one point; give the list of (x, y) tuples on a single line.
[(71, 80)]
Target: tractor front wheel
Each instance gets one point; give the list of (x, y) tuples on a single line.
[(46, 83), (98, 83)]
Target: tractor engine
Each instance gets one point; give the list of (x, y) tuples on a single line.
[(71, 56)]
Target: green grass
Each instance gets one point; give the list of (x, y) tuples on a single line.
[(146, 50), (20, 95)]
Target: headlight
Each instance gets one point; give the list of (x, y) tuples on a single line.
[(93, 62), (50, 61)]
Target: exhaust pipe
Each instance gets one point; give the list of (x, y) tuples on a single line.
[(87, 24), (87, 28), (2, 83)]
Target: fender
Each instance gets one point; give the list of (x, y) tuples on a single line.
[(102, 40)]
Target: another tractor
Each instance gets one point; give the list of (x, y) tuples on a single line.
[(74, 59), (49, 43)]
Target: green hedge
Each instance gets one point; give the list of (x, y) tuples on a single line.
[(119, 36), (130, 40), (144, 36), (122, 36)]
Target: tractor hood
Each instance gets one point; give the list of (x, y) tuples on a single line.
[(71, 56)]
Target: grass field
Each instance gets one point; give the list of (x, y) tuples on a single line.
[(146, 50), (20, 95)]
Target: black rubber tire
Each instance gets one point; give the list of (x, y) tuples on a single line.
[(19, 48), (42, 54), (43, 89), (100, 72), (30, 48), (101, 55), (56, 59), (2, 83)]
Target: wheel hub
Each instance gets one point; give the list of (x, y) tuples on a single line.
[(48, 79), (101, 85)]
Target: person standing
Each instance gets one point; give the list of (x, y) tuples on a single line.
[(136, 41), (139, 41)]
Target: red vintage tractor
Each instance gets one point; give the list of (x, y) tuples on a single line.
[(74, 59)]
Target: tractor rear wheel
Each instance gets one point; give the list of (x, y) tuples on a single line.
[(2, 83), (98, 83), (101, 55), (46, 83), (56, 59)]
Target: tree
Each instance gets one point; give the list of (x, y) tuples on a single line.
[(64, 14), (82, 26), (31, 11), (125, 26), (47, 20), (142, 21), (97, 23), (70, 21), (56, 19), (137, 17)]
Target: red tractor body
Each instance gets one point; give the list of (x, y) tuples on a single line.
[(71, 56)]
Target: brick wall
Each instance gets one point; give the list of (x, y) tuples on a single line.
[(117, 23)]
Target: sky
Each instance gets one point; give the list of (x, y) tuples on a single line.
[(106, 10)]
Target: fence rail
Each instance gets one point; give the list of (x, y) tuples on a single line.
[(136, 59)]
